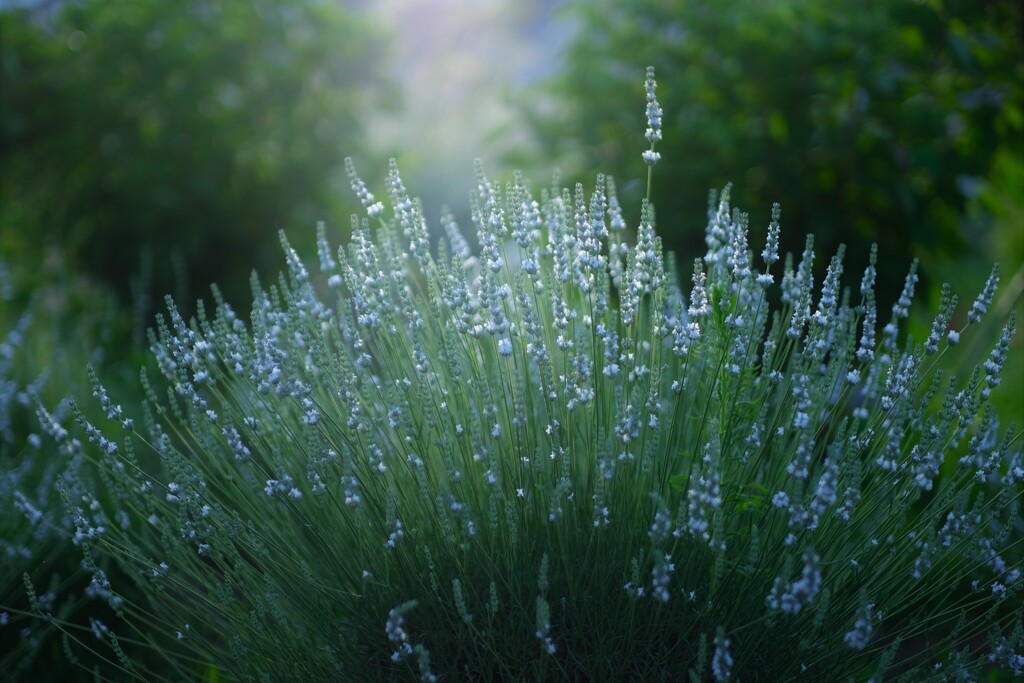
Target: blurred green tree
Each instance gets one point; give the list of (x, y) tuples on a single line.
[(887, 121), (194, 129)]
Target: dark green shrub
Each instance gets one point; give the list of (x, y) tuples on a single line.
[(197, 129)]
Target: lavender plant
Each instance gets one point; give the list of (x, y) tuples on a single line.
[(548, 460), (34, 528)]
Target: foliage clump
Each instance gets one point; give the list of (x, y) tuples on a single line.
[(548, 459)]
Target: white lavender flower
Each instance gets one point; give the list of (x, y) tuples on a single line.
[(984, 299), (704, 496), (947, 306), (721, 661), (792, 597), (994, 364), (857, 638), (800, 293), (901, 309), (654, 116), (373, 208), (770, 254), (395, 630)]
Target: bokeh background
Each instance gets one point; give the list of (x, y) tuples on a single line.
[(160, 146)]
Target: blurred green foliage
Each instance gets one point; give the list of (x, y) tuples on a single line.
[(193, 129), (887, 121)]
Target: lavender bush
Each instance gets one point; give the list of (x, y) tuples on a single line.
[(44, 351), (546, 459)]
